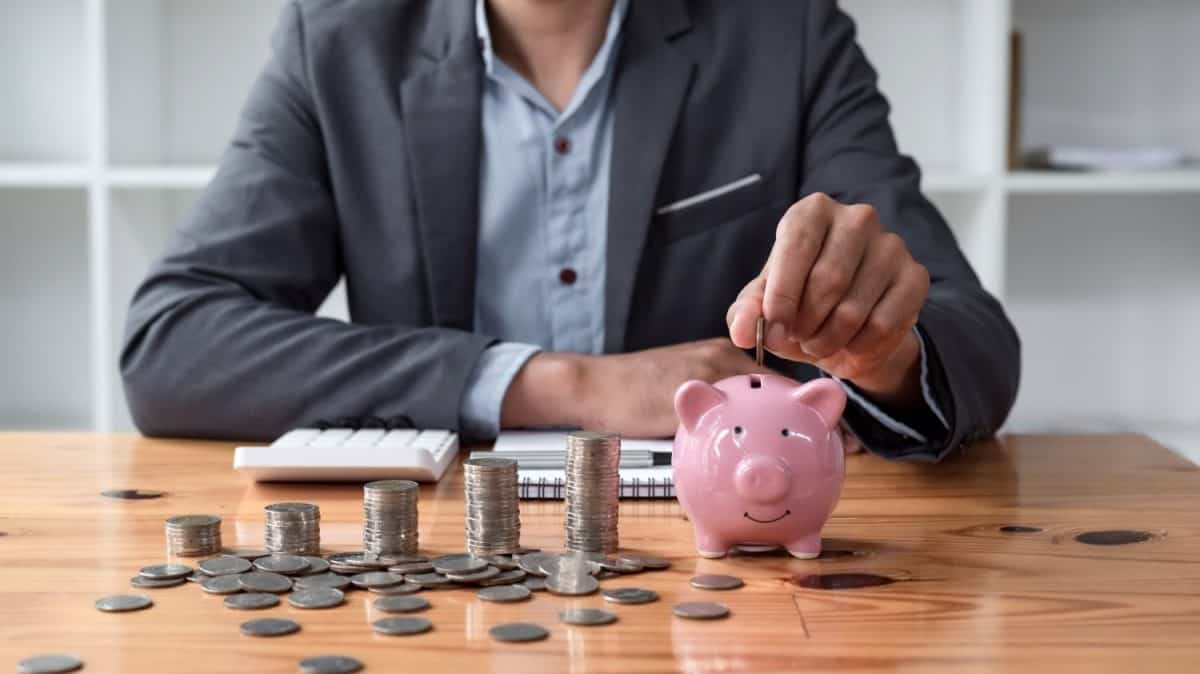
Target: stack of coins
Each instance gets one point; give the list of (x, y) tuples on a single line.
[(493, 515), (193, 535), (293, 528), (591, 491), (390, 517)]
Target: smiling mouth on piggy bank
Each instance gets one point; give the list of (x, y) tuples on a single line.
[(755, 519)]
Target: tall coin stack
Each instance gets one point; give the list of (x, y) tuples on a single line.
[(193, 535), (390, 517), (293, 528), (591, 491), (493, 515)]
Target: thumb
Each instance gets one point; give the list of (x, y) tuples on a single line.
[(742, 317)]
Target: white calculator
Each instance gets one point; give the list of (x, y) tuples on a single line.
[(349, 455)]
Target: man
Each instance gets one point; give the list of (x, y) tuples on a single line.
[(556, 212)]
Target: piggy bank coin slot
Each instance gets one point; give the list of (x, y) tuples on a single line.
[(755, 381)]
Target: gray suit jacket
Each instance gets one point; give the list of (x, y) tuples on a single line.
[(357, 154)]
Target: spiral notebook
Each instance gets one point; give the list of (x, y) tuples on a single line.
[(645, 471)]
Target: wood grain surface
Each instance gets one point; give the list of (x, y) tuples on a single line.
[(965, 596)]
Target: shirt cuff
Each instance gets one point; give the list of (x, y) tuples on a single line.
[(479, 412), (888, 421)]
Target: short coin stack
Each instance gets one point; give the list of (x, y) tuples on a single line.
[(193, 535), (390, 517), (293, 528), (591, 491), (493, 517)]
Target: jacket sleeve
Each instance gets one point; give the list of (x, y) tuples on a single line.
[(221, 340), (850, 154)]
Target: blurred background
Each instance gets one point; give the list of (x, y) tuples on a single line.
[(1058, 136)]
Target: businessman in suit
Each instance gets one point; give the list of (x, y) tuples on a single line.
[(555, 212)]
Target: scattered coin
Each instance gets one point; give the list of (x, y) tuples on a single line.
[(461, 563), (321, 580), (263, 581), (504, 593), (402, 625), (713, 581), (531, 563), (165, 571), (518, 632), (401, 604), (251, 601), (700, 610), (131, 494), (570, 562), (587, 616), (428, 579), (269, 627), (650, 562), (571, 584), (330, 664), (622, 564), (630, 595), (397, 558), (145, 583), (502, 562), (195, 576), (249, 554), (535, 583), (319, 597), (504, 578), (372, 579), (285, 564), (397, 590), (120, 603), (227, 584), (477, 576), (315, 565), (364, 561), (406, 568), (49, 664), (221, 566)]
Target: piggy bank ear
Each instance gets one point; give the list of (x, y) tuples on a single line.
[(693, 399), (825, 396)]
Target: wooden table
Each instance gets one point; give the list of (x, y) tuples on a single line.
[(967, 596)]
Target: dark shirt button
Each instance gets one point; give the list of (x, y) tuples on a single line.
[(567, 276), (562, 145)]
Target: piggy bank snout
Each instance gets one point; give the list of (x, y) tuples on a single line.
[(762, 479)]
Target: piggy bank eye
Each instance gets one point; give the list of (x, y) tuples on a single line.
[(786, 433), (738, 430)]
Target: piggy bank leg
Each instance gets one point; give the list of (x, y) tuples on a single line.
[(709, 545), (806, 547)]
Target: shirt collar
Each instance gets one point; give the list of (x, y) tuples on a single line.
[(603, 55)]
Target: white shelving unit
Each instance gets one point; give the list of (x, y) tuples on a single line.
[(117, 111)]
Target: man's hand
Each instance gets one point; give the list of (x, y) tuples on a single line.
[(630, 393), (839, 292)]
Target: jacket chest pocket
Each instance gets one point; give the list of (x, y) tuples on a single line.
[(709, 208)]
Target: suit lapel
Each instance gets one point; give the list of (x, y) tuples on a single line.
[(652, 80), (441, 119)]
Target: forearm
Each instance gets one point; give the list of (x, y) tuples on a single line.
[(547, 391)]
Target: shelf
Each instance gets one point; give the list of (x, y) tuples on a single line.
[(43, 175), (161, 177), (1051, 182)]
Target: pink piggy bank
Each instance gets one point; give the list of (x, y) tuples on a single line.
[(758, 461)]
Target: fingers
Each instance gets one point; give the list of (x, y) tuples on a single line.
[(835, 269), (799, 241), (742, 317), (894, 315)]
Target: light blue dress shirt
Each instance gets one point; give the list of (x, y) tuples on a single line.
[(543, 207)]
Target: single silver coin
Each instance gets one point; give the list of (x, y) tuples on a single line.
[(407, 568), (587, 616), (504, 578), (143, 583), (285, 564), (397, 590), (248, 554), (251, 601), (330, 664), (53, 663), (269, 627), (372, 579), (346, 570), (531, 563), (365, 561), (224, 566), (401, 604), (700, 610), (165, 571), (196, 576), (402, 625), (461, 563), (484, 574), (535, 583), (222, 584), (263, 581), (318, 597), (315, 565), (571, 584), (502, 562), (321, 580), (388, 559), (649, 562), (575, 563), (504, 594), (714, 581), (427, 579), (518, 632), (630, 595), (131, 494), (120, 603), (622, 564)]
